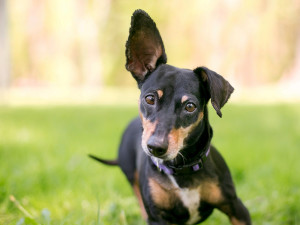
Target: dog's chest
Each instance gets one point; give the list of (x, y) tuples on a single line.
[(177, 202), (190, 197), (191, 200)]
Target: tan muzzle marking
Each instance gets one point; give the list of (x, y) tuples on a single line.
[(176, 137), (148, 130)]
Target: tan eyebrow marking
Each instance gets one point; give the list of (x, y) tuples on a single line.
[(184, 98), (160, 93)]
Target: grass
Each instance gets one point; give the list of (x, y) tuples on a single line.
[(47, 178)]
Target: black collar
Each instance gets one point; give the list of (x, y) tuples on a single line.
[(185, 169)]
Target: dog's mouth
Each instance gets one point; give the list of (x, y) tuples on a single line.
[(178, 161)]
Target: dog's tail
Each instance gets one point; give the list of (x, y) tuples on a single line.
[(104, 161)]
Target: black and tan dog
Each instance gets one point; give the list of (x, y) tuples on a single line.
[(166, 154)]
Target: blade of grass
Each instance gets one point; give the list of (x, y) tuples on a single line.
[(20, 207)]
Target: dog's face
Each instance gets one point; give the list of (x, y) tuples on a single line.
[(173, 100), (171, 109)]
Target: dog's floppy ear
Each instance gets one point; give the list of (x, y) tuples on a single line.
[(219, 89), (144, 47)]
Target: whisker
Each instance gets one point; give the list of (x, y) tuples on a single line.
[(183, 158)]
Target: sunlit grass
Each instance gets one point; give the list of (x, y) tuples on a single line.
[(44, 163)]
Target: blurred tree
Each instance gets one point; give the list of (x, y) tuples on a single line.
[(82, 43), (4, 47)]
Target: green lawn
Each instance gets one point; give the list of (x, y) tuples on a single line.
[(44, 164)]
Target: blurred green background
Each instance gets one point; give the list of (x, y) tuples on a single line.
[(80, 42), (64, 93), (44, 163)]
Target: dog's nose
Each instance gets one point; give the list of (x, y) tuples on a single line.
[(157, 151), (157, 148)]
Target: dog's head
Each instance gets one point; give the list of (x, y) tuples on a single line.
[(173, 100)]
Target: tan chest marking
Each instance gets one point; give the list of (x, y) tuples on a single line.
[(165, 195), (165, 198), (162, 197), (211, 192)]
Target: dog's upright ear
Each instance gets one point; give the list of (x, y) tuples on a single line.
[(144, 47), (219, 89)]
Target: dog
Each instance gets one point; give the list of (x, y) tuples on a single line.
[(166, 153)]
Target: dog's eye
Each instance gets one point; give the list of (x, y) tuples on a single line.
[(190, 107), (150, 99)]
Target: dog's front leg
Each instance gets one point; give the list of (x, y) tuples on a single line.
[(152, 222), (237, 212)]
